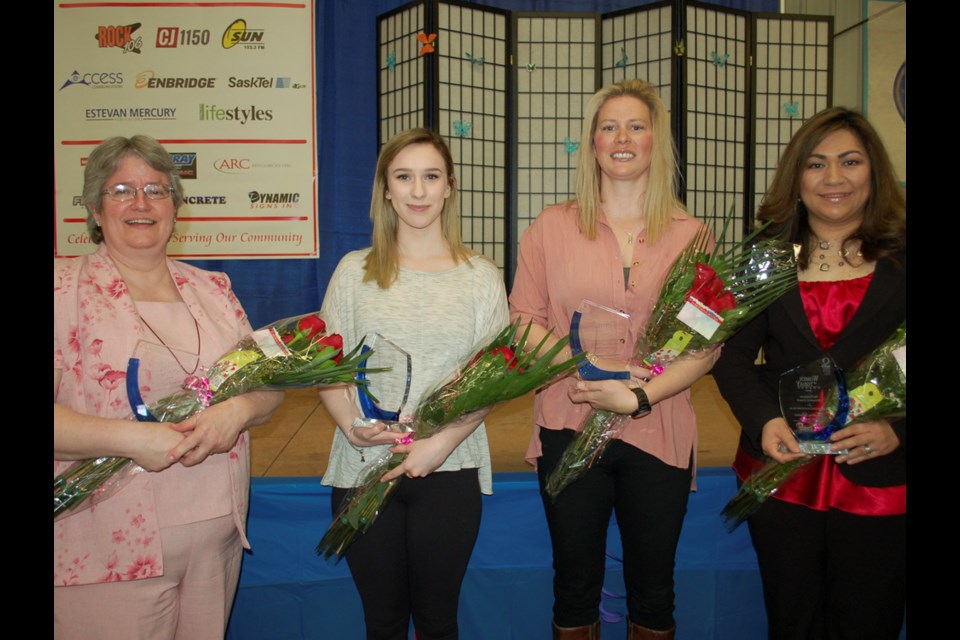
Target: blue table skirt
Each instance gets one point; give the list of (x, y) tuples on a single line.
[(287, 592)]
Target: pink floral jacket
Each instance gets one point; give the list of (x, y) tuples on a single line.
[(95, 330)]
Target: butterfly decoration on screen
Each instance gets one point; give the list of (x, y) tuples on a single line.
[(477, 62), (624, 59), (718, 60), (461, 128), (570, 146), (428, 42), (392, 60), (792, 109)]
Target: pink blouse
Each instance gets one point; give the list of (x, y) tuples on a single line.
[(558, 268), (96, 329)]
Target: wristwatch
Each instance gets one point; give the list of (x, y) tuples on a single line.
[(643, 403)]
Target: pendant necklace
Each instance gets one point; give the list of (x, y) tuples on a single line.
[(183, 368)]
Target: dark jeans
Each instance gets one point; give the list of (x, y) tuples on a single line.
[(830, 574), (650, 500), (413, 559)]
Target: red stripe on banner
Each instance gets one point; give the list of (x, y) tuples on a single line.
[(240, 255), (243, 218), (220, 219), (192, 141), (274, 5)]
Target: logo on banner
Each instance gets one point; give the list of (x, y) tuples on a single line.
[(120, 37), (205, 199), (240, 115), (264, 82), (186, 164), (261, 200), (78, 201), (103, 114), (173, 37), (243, 165), (232, 165), (149, 80), (98, 80), (238, 34)]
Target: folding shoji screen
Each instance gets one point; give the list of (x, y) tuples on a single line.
[(401, 81), (450, 61), (716, 112), (639, 44), (556, 71), (738, 86), (792, 80)]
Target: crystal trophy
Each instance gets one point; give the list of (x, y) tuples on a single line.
[(815, 403), (158, 373), (389, 388)]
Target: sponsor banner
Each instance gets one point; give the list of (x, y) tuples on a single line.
[(225, 88)]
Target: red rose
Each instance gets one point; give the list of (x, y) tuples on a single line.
[(334, 340), (311, 326), (708, 288), (508, 356)]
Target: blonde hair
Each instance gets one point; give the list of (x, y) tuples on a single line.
[(661, 196), (383, 262)]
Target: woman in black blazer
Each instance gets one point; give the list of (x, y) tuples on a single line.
[(831, 541)]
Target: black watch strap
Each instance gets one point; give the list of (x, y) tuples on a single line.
[(643, 403)]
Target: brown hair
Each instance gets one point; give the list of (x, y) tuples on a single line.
[(661, 197), (382, 263), (883, 232)]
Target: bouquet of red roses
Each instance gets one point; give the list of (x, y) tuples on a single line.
[(877, 391), (500, 371), (707, 297), (293, 352)]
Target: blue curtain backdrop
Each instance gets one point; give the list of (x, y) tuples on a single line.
[(346, 146)]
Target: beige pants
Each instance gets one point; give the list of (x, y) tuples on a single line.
[(190, 601)]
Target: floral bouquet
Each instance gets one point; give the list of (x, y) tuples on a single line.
[(500, 371), (706, 297), (877, 390), (293, 352)]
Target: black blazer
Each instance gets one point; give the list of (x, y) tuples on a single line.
[(784, 332)]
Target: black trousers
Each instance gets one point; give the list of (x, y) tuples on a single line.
[(650, 500), (411, 562), (830, 574)]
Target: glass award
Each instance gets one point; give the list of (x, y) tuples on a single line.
[(389, 388), (814, 402), (157, 372), (601, 333)]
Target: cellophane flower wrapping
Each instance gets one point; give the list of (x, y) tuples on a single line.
[(877, 390), (718, 292), (289, 353), (500, 371)]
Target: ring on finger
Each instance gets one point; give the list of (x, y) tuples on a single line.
[(868, 449)]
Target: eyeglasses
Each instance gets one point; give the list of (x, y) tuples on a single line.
[(126, 193)]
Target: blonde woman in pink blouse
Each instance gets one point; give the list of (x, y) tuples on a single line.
[(161, 558), (613, 245)]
